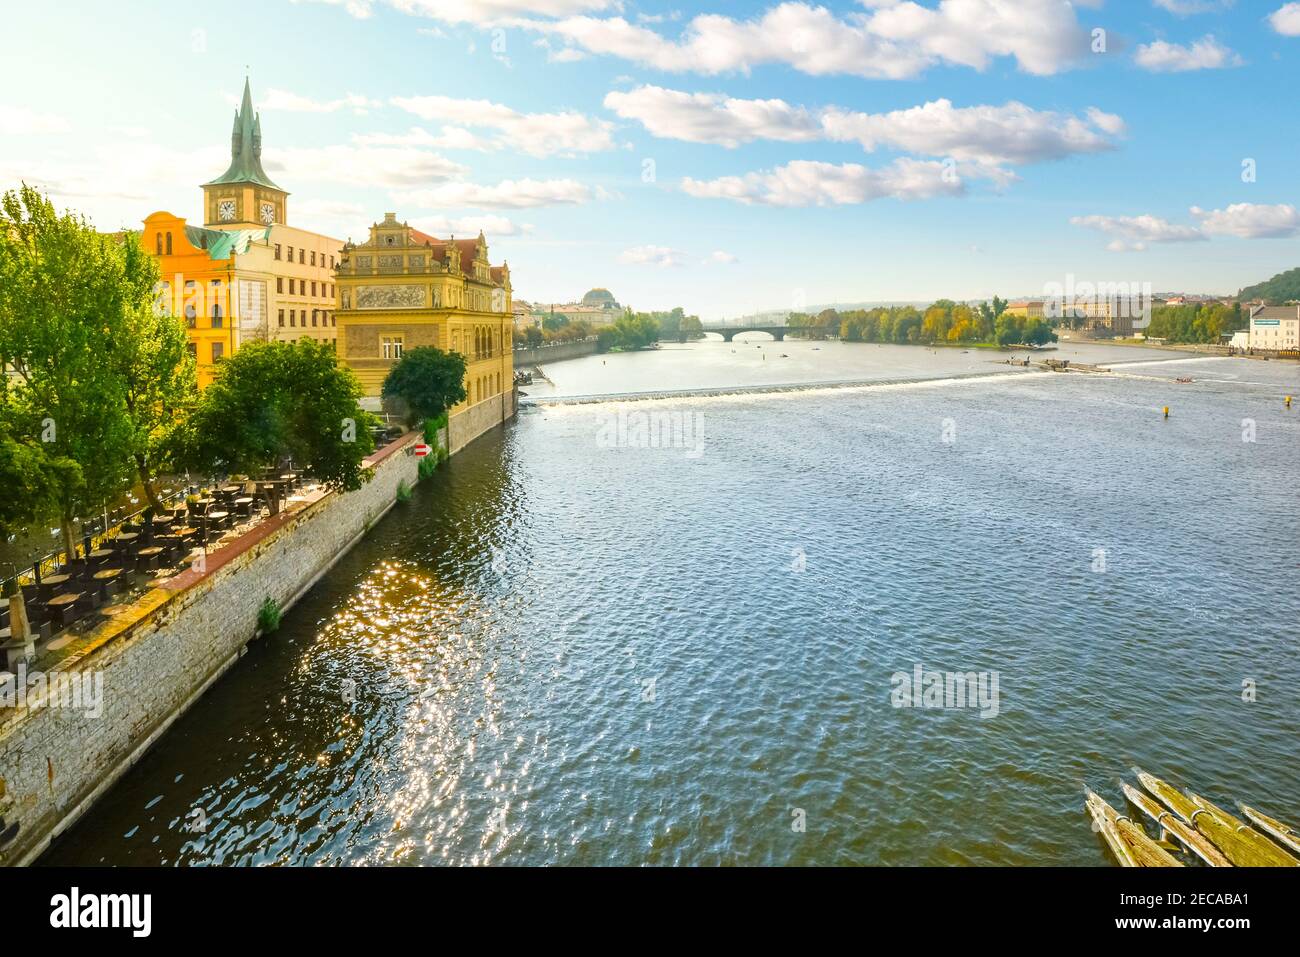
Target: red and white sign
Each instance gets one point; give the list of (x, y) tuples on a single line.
[(422, 450)]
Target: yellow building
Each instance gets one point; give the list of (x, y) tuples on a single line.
[(402, 289), (245, 274)]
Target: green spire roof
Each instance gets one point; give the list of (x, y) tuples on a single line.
[(246, 148)]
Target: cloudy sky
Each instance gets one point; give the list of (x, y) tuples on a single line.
[(724, 156)]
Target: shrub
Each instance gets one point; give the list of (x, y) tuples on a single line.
[(268, 616)]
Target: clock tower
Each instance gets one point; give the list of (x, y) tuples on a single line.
[(243, 196)]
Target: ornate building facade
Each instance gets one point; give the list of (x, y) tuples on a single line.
[(246, 274), (402, 289)]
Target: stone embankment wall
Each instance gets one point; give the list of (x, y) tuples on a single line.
[(159, 654)]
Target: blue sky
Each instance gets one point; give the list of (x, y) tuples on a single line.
[(726, 157)]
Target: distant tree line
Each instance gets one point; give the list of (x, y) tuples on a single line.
[(630, 331), (942, 321), (1204, 322)]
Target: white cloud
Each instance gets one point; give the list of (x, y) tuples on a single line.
[(451, 138), (1286, 19), (1250, 221), (652, 256), (508, 194), (472, 11), (396, 167), (721, 257), (1011, 133), (295, 103), (887, 39), (1206, 53), (19, 121), (812, 183), (1184, 8), (490, 225), (537, 134), (713, 117), (1135, 232)]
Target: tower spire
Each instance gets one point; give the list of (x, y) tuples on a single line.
[(246, 147)]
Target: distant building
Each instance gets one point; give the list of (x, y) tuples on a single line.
[(403, 288), (598, 308), (1027, 308), (1274, 327), (245, 274)]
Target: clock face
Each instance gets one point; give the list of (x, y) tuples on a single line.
[(226, 210), (268, 213)]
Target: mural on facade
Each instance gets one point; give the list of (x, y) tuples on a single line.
[(390, 297)]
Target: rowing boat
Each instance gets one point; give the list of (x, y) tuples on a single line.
[(1128, 842), (1283, 833), (1277, 856), (1219, 833), (1195, 842)]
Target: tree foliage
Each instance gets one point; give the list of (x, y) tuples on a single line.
[(1282, 288), (273, 401), (64, 293), (428, 380)]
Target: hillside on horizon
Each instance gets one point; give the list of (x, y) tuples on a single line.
[(1284, 287)]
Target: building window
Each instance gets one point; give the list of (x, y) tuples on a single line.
[(169, 244), (313, 316), (302, 257), (392, 346), (216, 315), (290, 254), (334, 320), (302, 287), (313, 257), (193, 349), (313, 289), (277, 250), (279, 284), (281, 317), (158, 244), (331, 262), (218, 350)]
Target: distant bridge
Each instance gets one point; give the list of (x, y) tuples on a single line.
[(776, 332)]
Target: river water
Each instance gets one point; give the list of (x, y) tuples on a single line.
[(571, 648)]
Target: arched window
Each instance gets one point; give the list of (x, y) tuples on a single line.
[(158, 244), (169, 244), (216, 315)]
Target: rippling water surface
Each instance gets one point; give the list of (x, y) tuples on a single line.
[(561, 652)]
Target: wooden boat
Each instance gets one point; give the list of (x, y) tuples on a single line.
[(1284, 834), (1279, 857), (1237, 848), (1184, 379), (1128, 842), (1218, 833), (1172, 824)]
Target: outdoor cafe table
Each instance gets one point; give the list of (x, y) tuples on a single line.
[(52, 584), (100, 556), (106, 581), (63, 607)]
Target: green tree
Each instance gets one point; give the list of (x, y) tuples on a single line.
[(152, 361), (272, 401), (64, 294), (428, 380), (638, 331), (533, 337)]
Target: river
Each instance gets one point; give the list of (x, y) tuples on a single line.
[(571, 648)]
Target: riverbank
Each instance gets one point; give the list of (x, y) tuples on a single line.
[(76, 729)]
